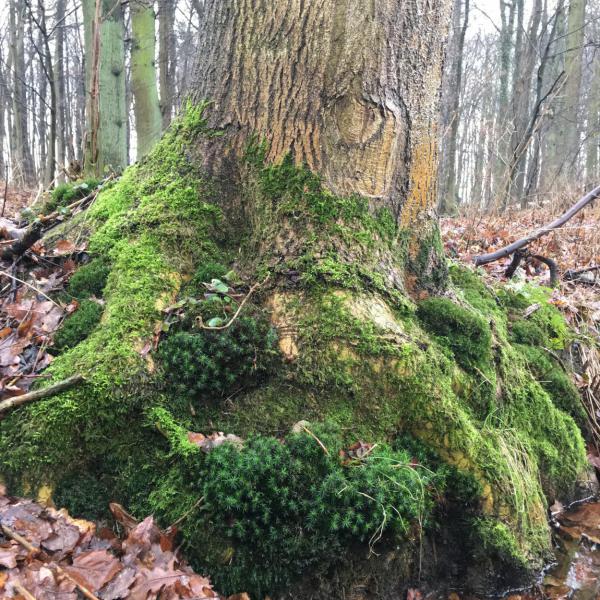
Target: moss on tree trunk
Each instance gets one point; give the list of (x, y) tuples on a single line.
[(332, 215)]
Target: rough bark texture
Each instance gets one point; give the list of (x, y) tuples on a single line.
[(326, 82), (148, 120)]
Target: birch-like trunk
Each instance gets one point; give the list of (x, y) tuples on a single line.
[(148, 119), (106, 120)]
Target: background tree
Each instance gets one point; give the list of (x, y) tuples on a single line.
[(148, 119), (106, 129)]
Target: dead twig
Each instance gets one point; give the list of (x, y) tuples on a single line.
[(201, 324), (312, 435), (31, 287), (186, 514), (47, 392), (23, 592), (484, 259)]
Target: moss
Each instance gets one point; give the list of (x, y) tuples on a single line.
[(286, 507), (557, 383), (495, 538), (357, 354), (518, 297), (463, 330), (152, 226), (66, 193), (204, 274), (205, 365), (90, 279), (84, 496), (78, 326), (528, 332)]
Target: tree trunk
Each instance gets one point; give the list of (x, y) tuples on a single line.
[(22, 161), (593, 127), (167, 58), (106, 114), (148, 120), (62, 124), (573, 69), (453, 89), (348, 88)]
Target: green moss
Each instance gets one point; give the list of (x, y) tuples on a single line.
[(518, 297), (528, 332), (67, 193), (90, 279), (277, 509), (84, 495), (157, 223), (78, 326), (557, 383), (464, 331), (356, 356), (205, 365), (495, 538)]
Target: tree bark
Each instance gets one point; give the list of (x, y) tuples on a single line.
[(62, 124), (573, 69), (22, 160), (348, 88), (167, 58), (106, 113), (453, 89), (148, 120), (593, 127)]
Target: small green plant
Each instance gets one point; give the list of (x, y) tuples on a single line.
[(66, 193), (78, 326), (284, 506), (206, 363), (90, 279), (206, 272), (462, 330)]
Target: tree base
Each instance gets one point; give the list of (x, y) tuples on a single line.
[(446, 388)]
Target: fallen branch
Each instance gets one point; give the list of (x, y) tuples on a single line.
[(484, 259), (48, 392), (571, 275), (29, 236), (20, 246)]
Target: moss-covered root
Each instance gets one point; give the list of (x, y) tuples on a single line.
[(353, 351), (150, 229)]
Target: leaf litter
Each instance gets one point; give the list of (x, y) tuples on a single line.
[(59, 556)]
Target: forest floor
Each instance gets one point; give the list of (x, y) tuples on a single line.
[(70, 555)]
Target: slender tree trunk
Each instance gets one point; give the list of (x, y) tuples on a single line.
[(59, 78), (106, 120), (148, 120), (573, 69), (503, 125), (348, 88), (453, 88), (593, 127), (22, 161), (526, 51), (167, 58)]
